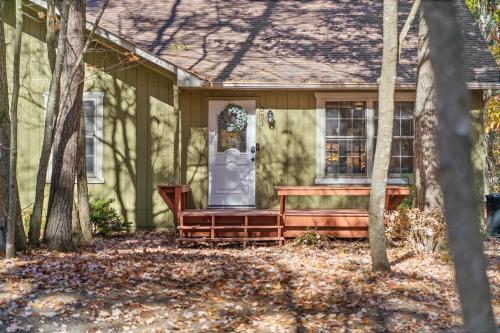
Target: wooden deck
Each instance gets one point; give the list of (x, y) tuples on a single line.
[(244, 225)]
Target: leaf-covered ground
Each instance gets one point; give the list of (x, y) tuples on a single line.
[(146, 283)]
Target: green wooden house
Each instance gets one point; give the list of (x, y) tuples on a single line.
[(166, 79)]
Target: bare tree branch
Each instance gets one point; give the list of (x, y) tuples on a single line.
[(407, 25)]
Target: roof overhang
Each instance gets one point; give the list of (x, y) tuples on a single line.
[(185, 79), (330, 86)]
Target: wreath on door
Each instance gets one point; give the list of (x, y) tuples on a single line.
[(233, 118)]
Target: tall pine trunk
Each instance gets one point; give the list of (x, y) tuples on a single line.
[(456, 171), (56, 60), (428, 192), (384, 136), (58, 234)]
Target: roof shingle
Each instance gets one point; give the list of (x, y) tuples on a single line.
[(321, 41)]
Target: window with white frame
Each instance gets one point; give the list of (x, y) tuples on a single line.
[(401, 163), (346, 137), (93, 115)]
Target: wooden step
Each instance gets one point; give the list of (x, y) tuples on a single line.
[(231, 239), (234, 212), (225, 227)]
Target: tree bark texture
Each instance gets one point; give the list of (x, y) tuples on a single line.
[(4, 133), (456, 172), (60, 209), (51, 113), (10, 249), (83, 217), (428, 192), (384, 137)]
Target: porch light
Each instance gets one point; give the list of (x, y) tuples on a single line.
[(270, 119)]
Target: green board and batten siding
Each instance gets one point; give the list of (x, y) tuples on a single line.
[(139, 126), (142, 133)]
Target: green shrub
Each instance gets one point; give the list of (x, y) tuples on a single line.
[(407, 202), (105, 218)]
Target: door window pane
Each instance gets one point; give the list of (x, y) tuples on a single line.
[(227, 140)]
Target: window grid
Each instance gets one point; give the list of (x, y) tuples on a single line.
[(345, 138), (89, 109), (401, 162)]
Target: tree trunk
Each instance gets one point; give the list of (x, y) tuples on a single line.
[(83, 216), (428, 192), (51, 113), (384, 137), (60, 210), (10, 249), (456, 171), (4, 133)]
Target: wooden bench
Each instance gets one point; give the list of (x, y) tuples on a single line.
[(348, 223)]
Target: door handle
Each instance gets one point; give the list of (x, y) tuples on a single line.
[(252, 159), (252, 149)]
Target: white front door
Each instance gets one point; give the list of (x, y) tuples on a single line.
[(231, 158)]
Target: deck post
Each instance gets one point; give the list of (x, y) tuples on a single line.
[(280, 231), (245, 232), (282, 207)]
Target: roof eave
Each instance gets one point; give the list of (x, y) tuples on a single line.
[(184, 78), (330, 86)]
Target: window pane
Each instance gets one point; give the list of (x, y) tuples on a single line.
[(406, 165), (406, 127), (396, 130), (89, 116), (407, 147), (344, 126), (344, 147), (407, 109), (90, 166), (345, 113), (394, 165), (89, 146), (332, 127), (395, 147), (358, 128)]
